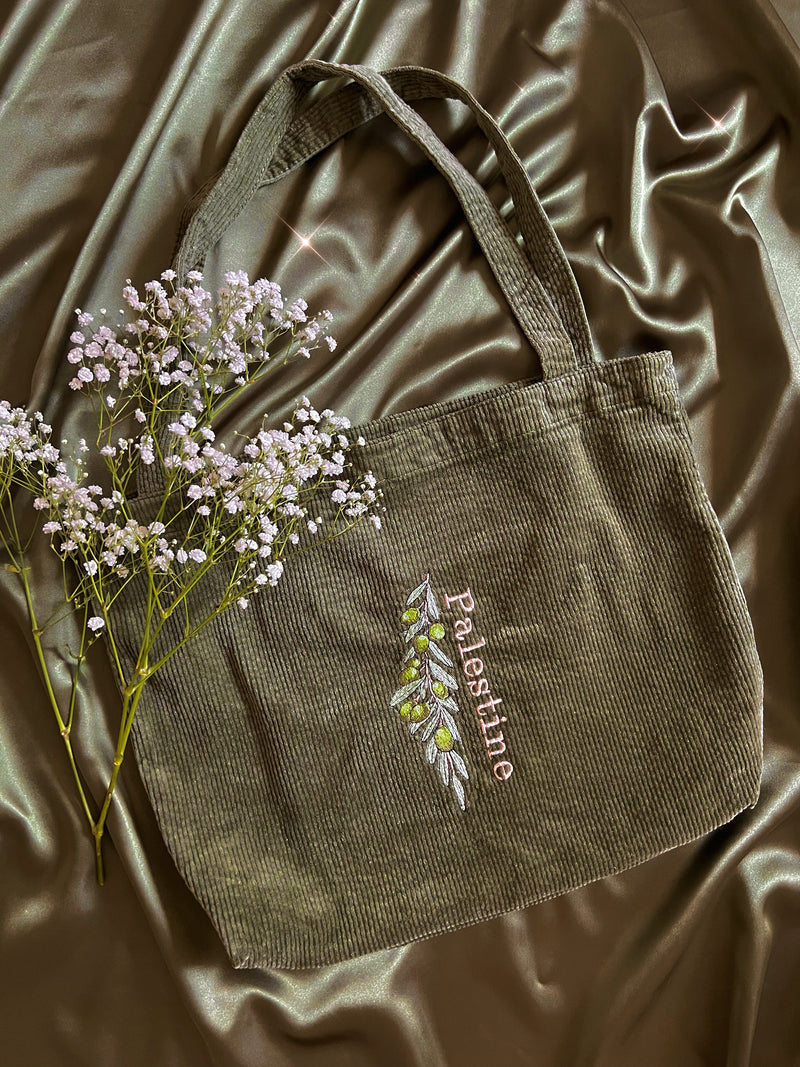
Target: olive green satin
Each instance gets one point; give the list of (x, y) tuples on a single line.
[(682, 235)]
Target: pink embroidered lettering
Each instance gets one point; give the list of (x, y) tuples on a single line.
[(503, 770), (488, 716), (461, 598)]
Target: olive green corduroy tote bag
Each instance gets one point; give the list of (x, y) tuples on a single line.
[(542, 670)]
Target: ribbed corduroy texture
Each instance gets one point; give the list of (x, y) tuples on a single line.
[(297, 806)]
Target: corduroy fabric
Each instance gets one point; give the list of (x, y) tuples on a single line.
[(612, 635)]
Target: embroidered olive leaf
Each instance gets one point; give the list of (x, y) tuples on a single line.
[(442, 676), (415, 628), (430, 600), (430, 751), (420, 589), (444, 768), (437, 653), (430, 726), (450, 723), (459, 764), (450, 704), (405, 691), (458, 789)]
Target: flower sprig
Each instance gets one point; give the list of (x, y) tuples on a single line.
[(158, 499)]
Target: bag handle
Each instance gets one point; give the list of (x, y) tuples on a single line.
[(326, 120), (252, 161)]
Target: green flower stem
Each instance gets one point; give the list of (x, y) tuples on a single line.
[(132, 693), (79, 660), (64, 728), (130, 703)]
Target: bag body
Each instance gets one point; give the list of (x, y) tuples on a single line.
[(541, 671)]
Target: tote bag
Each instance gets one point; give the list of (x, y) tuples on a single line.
[(540, 672)]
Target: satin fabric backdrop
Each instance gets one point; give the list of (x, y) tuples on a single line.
[(663, 141)]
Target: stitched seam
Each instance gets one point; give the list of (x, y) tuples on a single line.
[(577, 420), (493, 395)]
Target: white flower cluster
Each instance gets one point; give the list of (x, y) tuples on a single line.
[(181, 338), (24, 442), (160, 379)]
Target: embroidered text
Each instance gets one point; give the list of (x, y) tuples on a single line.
[(489, 718)]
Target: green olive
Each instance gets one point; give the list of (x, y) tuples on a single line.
[(440, 689), (443, 739), (419, 712), (410, 674), (410, 615), (421, 642), (405, 710), (436, 632), (413, 662)]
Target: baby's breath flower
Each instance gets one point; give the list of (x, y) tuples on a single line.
[(274, 572), (157, 376)]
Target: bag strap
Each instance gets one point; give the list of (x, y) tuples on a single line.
[(255, 158), (337, 114)]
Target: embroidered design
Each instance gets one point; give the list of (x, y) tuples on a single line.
[(489, 717), (425, 699)]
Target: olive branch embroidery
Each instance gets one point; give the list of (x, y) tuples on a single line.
[(425, 700)]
